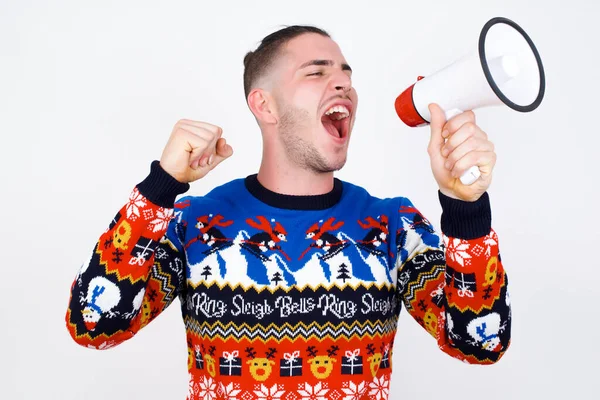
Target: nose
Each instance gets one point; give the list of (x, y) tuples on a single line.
[(341, 81)]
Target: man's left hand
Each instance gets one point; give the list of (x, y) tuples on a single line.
[(455, 146)]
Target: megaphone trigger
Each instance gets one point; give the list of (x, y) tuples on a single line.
[(469, 177)]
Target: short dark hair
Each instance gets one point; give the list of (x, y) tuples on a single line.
[(257, 62)]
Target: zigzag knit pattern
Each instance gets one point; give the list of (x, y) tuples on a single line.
[(293, 297)]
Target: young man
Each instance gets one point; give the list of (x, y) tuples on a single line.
[(290, 280)]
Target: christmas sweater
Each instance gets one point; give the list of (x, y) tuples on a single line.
[(293, 297)]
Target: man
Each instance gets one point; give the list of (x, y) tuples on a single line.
[(290, 280)]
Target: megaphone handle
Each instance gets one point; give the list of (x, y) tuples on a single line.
[(473, 173)]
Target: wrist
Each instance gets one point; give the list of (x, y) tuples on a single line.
[(465, 219), (449, 193), (160, 187)]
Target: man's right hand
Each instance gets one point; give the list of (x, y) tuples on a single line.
[(193, 150)]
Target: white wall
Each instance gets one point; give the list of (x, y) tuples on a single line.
[(89, 92)]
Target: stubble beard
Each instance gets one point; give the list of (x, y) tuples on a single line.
[(298, 149)]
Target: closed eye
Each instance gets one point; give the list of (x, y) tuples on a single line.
[(319, 73)]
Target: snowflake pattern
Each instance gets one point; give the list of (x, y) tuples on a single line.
[(490, 240), (316, 392), (136, 201), (353, 391), (458, 251), (203, 389), (380, 388), (274, 393), (163, 216), (335, 395), (247, 396), (104, 345), (148, 214), (477, 250), (230, 391), (291, 396)]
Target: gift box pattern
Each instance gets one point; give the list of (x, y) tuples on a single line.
[(352, 363), (230, 364), (291, 364)]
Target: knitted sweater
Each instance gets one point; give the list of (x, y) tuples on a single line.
[(293, 297)]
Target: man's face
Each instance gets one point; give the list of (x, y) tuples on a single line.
[(316, 102)]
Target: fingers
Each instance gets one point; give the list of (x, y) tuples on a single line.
[(466, 145), (472, 143), (485, 160), (223, 152), (195, 136), (223, 149), (465, 132), (193, 149), (200, 140), (196, 142), (208, 155), (205, 125), (456, 122), (212, 152)]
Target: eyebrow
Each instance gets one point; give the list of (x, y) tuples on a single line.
[(329, 63)]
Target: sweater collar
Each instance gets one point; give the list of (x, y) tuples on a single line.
[(293, 202)]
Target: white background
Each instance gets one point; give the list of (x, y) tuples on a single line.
[(89, 92)]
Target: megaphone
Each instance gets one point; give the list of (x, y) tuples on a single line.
[(506, 68)]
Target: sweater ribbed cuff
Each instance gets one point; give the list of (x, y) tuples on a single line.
[(161, 188), (464, 219)]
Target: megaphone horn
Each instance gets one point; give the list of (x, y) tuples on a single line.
[(506, 68)]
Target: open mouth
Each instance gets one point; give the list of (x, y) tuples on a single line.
[(336, 121)]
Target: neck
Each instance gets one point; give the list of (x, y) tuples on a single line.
[(289, 179)]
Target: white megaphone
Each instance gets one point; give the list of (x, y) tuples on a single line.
[(505, 69)]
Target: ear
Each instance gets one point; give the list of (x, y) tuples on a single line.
[(262, 106), (272, 362)]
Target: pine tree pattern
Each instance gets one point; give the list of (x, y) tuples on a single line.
[(206, 272), (343, 273)]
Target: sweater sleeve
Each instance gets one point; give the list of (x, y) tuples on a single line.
[(136, 268), (453, 283)]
